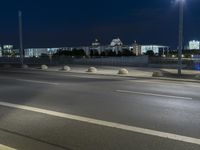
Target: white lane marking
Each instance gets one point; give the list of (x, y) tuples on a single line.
[(84, 76), (39, 82), (168, 83), (105, 123), (3, 147), (152, 94)]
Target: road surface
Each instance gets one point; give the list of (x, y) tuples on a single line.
[(68, 111)]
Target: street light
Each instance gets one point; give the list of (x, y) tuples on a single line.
[(180, 49), (21, 38)]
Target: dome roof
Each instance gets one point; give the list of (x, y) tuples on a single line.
[(116, 42)]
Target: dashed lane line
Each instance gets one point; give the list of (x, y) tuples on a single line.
[(153, 94)]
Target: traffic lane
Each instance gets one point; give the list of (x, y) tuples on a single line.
[(68, 76), (96, 87), (61, 77), (86, 102), (76, 135), (20, 141), (165, 114), (109, 83), (166, 88)]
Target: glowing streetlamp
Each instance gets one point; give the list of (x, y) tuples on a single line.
[(180, 49)]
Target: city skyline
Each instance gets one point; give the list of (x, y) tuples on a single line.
[(54, 24)]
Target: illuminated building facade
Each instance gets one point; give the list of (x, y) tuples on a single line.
[(194, 45), (155, 48)]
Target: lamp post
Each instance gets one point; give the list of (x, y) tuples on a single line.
[(21, 38), (180, 48)]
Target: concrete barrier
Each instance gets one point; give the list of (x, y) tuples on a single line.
[(44, 67), (66, 68), (157, 74), (123, 71), (92, 70)]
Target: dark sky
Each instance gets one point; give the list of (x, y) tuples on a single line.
[(53, 23)]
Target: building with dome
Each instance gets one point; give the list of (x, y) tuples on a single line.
[(116, 42), (96, 43)]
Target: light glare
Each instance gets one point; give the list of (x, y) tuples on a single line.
[(178, 1)]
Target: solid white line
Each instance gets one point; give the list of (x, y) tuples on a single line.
[(3, 147), (106, 123), (39, 82), (152, 94)]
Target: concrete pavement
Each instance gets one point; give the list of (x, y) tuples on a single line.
[(162, 106), (139, 72)]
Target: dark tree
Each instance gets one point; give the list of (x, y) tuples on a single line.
[(150, 53), (103, 53), (44, 55), (78, 52), (127, 52), (111, 53)]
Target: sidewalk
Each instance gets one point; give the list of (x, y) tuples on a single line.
[(138, 72)]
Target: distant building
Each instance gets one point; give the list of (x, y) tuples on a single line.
[(96, 43), (116, 42), (116, 46), (8, 51), (35, 52), (136, 49), (51, 51), (95, 48), (8, 48), (0, 51), (155, 48), (194, 45)]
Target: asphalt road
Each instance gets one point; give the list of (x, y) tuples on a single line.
[(57, 111)]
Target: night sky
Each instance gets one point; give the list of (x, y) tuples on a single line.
[(57, 23)]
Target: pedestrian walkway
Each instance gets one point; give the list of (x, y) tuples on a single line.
[(133, 71)]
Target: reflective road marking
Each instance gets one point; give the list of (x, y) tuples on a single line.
[(3, 147)]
